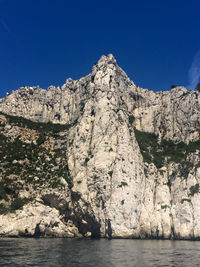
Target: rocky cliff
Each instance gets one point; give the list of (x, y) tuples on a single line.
[(100, 157)]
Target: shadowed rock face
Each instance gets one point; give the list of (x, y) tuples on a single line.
[(132, 156)]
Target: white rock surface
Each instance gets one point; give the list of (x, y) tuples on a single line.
[(115, 194), (36, 220)]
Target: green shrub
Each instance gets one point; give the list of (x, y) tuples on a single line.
[(86, 161), (55, 184), (67, 178), (164, 207), (3, 194), (3, 209), (185, 199), (69, 181), (41, 139), (123, 184), (110, 173), (194, 190), (82, 105), (131, 119), (18, 203)]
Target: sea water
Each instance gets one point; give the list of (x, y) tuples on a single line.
[(97, 252)]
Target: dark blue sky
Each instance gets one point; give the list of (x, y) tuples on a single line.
[(43, 42)]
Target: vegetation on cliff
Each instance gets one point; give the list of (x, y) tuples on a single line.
[(164, 151), (32, 159)]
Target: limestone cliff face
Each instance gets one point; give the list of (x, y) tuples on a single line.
[(131, 157), (170, 114)]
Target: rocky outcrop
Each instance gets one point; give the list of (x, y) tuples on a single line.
[(36, 220), (130, 158)]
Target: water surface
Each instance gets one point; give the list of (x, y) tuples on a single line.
[(97, 252)]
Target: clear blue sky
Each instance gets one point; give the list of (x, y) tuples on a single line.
[(43, 42)]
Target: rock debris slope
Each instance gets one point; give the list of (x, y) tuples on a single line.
[(100, 157)]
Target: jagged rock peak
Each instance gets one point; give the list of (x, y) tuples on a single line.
[(109, 59), (106, 62), (107, 73), (105, 65)]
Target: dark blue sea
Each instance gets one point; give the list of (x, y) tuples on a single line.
[(97, 252)]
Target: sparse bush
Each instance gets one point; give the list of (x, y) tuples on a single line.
[(3, 209), (3, 194), (194, 190), (48, 127), (165, 151), (164, 207), (41, 139), (86, 161), (185, 199), (123, 184), (110, 173), (18, 203), (131, 119)]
